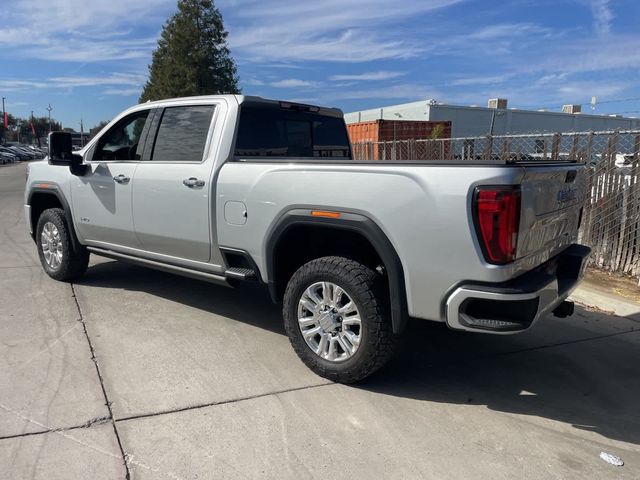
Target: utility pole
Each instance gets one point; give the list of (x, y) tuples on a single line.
[(4, 124), (49, 108)]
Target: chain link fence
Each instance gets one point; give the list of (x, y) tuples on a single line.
[(611, 218)]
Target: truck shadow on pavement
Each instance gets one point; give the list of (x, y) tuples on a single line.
[(583, 371), (249, 304)]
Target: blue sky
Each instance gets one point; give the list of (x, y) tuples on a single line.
[(89, 58)]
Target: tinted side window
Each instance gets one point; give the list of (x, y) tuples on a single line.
[(270, 131), (182, 134), (122, 141)]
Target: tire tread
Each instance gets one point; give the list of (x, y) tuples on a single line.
[(369, 288), (75, 261)]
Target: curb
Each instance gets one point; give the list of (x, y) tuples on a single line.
[(590, 296)]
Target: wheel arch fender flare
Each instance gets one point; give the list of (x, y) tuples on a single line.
[(349, 221), (53, 190)]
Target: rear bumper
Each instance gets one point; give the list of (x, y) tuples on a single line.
[(515, 305)]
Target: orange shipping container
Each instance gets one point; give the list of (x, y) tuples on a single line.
[(410, 136)]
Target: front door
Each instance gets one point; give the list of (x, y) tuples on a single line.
[(102, 197), (172, 194)]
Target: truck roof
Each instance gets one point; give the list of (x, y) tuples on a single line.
[(240, 99)]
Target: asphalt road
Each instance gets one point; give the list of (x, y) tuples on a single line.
[(188, 380)]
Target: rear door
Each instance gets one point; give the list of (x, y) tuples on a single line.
[(552, 200), (172, 200)]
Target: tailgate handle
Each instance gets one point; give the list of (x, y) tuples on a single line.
[(571, 176)]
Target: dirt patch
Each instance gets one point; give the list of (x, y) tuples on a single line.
[(625, 287)]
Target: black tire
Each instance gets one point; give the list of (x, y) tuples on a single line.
[(74, 260), (368, 290)]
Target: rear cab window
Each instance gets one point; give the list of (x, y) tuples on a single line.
[(283, 129), (182, 134)]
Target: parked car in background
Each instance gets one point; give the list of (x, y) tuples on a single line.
[(38, 152), (22, 156), (9, 155), (30, 154), (7, 158), (23, 152)]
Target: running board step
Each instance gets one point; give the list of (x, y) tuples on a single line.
[(240, 273)]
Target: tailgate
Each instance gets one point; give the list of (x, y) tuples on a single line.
[(552, 200)]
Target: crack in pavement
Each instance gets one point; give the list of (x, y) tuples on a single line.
[(88, 424), (223, 402), (63, 433), (100, 378)]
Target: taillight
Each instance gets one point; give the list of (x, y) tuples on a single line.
[(497, 217)]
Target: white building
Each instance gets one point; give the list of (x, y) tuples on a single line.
[(477, 121)]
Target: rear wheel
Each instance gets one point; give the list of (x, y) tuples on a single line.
[(57, 255), (336, 316)]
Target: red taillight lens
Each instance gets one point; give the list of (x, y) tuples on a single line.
[(497, 215)]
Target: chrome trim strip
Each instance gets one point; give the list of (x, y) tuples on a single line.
[(27, 216), (185, 272), (157, 257)]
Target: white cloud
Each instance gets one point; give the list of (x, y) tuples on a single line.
[(506, 30), (328, 30), (17, 85), (370, 76), (77, 30), (481, 80), (590, 55), (125, 92), (111, 79), (87, 81), (254, 82), (293, 83), (80, 49), (602, 16), (407, 91)]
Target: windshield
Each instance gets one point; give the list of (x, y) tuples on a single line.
[(272, 131)]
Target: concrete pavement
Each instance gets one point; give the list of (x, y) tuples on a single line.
[(189, 380)]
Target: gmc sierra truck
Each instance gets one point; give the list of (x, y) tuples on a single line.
[(232, 189)]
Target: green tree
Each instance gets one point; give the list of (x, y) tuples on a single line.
[(192, 57), (437, 131), (93, 131)]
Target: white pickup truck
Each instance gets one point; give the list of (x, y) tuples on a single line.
[(231, 189)]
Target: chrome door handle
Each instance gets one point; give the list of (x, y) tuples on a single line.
[(121, 178), (193, 182)]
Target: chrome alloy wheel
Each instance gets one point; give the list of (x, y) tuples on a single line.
[(329, 321), (51, 245)]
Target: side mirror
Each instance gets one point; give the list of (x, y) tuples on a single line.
[(61, 153)]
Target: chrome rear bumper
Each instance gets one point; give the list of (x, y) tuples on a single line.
[(514, 306)]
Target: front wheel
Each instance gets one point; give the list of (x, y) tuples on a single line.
[(57, 255), (336, 316)]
